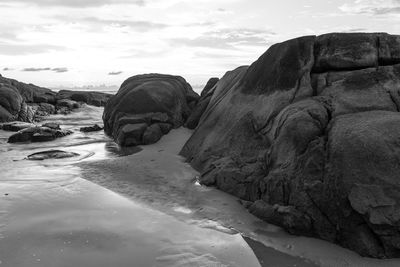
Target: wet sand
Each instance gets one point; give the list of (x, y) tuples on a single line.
[(51, 216)]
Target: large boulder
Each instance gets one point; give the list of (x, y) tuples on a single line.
[(146, 100), (310, 134)]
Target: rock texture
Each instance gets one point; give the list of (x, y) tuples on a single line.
[(202, 104), (309, 134), (146, 107)]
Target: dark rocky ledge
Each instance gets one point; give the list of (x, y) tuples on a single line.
[(309, 135), (27, 102)]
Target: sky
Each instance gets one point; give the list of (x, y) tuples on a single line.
[(56, 43)]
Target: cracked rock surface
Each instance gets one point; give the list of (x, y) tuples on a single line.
[(310, 134)]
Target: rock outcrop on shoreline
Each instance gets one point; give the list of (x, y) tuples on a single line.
[(309, 135), (201, 104), (146, 107), (27, 102)]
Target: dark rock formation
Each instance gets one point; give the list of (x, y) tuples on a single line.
[(12, 106), (94, 128), (52, 154), (89, 97), (31, 93), (310, 134), (28, 102), (202, 104), (37, 134), (147, 106)]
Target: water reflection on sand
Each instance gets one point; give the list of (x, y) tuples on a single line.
[(50, 216)]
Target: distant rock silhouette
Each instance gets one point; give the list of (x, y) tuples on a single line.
[(146, 107), (309, 134)]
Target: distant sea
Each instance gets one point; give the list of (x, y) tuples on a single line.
[(111, 89)]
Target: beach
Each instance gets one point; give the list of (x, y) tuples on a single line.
[(141, 206)]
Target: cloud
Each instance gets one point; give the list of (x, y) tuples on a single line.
[(115, 73), (372, 7), (228, 38), (141, 25), (76, 3), (57, 70), (60, 70), (25, 49), (36, 69), (7, 69)]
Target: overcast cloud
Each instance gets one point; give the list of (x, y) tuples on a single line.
[(197, 39)]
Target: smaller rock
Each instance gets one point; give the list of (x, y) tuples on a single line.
[(131, 134), (52, 125), (210, 84), (93, 128), (68, 103), (43, 137), (52, 154), (152, 134), (16, 126), (45, 109), (165, 127), (37, 134)]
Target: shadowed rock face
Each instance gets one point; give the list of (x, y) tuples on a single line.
[(310, 134), (146, 107), (201, 104)]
